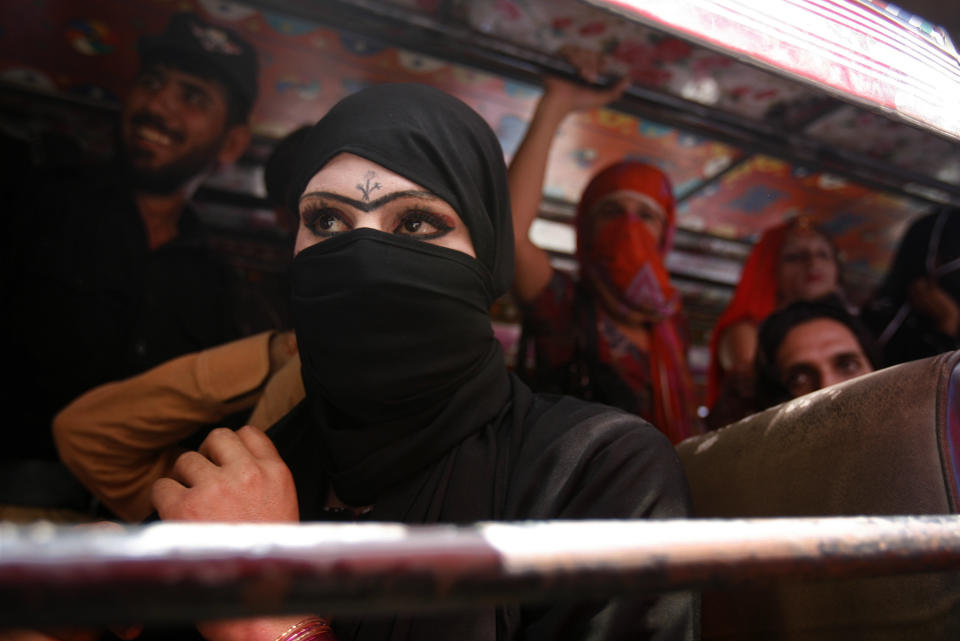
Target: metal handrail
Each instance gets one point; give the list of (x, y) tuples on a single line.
[(181, 572)]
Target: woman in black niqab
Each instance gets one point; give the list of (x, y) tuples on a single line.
[(394, 333), (410, 413)]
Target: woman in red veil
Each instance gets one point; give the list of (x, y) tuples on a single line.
[(792, 261), (617, 335)]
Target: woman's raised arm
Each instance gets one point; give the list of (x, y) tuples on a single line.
[(528, 167)]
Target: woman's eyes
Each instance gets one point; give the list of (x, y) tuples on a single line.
[(419, 223), (422, 224), (325, 222), (793, 257), (611, 210)]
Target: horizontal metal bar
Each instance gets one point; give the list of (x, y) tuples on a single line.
[(178, 572)]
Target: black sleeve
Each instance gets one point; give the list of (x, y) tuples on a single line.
[(607, 465)]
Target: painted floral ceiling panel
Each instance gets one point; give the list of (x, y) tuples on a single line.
[(88, 49), (652, 59), (665, 63), (306, 68), (856, 129), (589, 142)]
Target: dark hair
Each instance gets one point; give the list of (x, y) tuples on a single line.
[(773, 330)]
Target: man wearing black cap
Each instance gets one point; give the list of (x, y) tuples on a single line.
[(108, 271), (185, 114)]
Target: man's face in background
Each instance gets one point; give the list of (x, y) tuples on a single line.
[(174, 125), (818, 353)]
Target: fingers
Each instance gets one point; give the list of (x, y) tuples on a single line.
[(205, 470), (191, 468), (167, 496), (223, 446), (590, 65), (257, 443), (235, 477), (587, 61), (564, 96)]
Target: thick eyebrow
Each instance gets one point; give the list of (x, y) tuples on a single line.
[(849, 354), (373, 204)]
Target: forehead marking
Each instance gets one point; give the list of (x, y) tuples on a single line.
[(366, 187)]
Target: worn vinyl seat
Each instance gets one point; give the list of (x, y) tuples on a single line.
[(883, 444)]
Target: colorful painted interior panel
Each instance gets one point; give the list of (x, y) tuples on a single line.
[(917, 151), (650, 58), (305, 68), (729, 189), (701, 75), (586, 143)]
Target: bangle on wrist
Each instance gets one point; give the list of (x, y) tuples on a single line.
[(309, 629)]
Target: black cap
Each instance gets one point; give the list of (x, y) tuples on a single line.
[(190, 41)]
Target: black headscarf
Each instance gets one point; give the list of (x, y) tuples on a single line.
[(399, 358), (434, 140), (278, 171)]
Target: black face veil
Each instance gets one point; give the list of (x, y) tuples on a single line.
[(399, 359)]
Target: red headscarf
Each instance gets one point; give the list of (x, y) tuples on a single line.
[(756, 296), (624, 257)]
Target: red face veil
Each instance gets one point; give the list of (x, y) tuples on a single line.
[(619, 253)]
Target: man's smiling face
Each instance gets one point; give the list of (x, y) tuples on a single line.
[(174, 125)]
